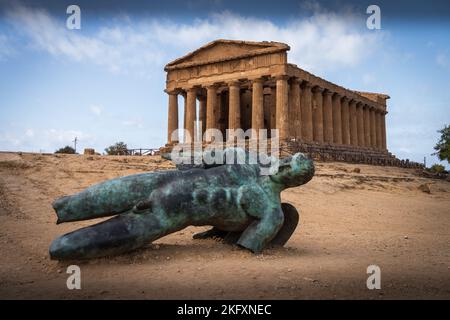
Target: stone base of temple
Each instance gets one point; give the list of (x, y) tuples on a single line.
[(328, 152)]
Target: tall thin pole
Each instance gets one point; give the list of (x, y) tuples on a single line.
[(75, 144)]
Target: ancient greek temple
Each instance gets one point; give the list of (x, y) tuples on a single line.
[(230, 84)]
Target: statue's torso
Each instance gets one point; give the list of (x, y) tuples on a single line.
[(208, 197)]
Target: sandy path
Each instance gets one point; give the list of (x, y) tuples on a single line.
[(348, 221)]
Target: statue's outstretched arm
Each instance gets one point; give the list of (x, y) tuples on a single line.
[(110, 197)]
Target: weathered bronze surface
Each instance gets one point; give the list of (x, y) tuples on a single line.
[(242, 205)]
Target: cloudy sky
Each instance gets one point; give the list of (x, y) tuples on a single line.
[(104, 83)]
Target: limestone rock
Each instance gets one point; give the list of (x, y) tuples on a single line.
[(89, 151), (425, 187)]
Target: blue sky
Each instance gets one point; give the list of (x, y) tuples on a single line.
[(104, 82)]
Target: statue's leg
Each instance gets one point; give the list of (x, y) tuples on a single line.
[(117, 235), (291, 219), (109, 198), (232, 237)]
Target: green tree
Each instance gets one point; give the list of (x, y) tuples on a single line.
[(437, 168), (66, 149), (443, 146), (119, 148)]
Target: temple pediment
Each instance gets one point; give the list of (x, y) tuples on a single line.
[(224, 50)]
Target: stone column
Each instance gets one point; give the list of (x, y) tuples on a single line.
[(172, 122), (257, 106), (367, 141), (327, 117), (202, 113), (307, 117), (191, 110), (337, 123), (373, 128), (273, 108), (294, 108), (360, 124), (378, 131), (282, 106), (345, 121), (211, 100), (234, 108), (353, 124), (318, 115), (184, 95), (383, 130), (218, 111), (298, 120)]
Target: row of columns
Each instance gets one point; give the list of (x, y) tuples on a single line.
[(327, 117), (208, 106), (302, 111)]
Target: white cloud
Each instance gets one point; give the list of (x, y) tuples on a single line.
[(8, 139), (47, 140), (442, 60), (29, 133), (368, 78), (120, 49), (64, 136), (96, 109), (404, 150), (323, 41), (6, 48), (133, 123)]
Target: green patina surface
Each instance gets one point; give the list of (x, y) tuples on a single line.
[(233, 198)]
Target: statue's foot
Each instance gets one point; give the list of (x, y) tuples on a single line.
[(214, 233), (211, 233), (228, 237)]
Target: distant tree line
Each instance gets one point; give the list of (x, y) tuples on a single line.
[(119, 148), (66, 150)]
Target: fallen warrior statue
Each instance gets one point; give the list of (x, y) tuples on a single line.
[(242, 205)]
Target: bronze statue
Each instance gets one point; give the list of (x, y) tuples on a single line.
[(241, 205)]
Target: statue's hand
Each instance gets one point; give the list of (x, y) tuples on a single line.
[(268, 217)]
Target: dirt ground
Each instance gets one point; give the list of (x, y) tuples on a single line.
[(348, 221)]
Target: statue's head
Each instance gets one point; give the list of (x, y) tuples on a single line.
[(294, 171)]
